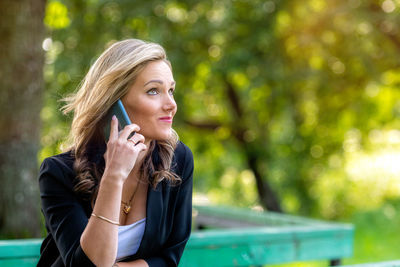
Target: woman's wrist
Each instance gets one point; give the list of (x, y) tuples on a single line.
[(112, 178)]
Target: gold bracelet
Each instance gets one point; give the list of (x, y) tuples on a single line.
[(105, 219)]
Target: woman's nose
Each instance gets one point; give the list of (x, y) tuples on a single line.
[(169, 102)]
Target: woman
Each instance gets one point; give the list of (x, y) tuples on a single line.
[(125, 201)]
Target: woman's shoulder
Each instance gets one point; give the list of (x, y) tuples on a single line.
[(183, 153), (63, 162), (183, 159)]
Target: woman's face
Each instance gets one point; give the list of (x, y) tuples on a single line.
[(150, 102)]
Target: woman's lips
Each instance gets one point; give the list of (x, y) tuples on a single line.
[(166, 119)]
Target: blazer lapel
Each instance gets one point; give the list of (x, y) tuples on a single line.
[(154, 209)]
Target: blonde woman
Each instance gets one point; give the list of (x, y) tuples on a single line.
[(126, 201)]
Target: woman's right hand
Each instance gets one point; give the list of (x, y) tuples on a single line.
[(122, 153)]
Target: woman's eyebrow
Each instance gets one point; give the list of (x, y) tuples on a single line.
[(158, 81)]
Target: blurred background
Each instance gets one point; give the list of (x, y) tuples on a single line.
[(289, 106)]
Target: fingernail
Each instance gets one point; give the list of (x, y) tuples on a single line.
[(114, 117)]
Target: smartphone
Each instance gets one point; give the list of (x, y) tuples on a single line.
[(119, 111)]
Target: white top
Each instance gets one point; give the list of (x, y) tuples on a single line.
[(129, 238)]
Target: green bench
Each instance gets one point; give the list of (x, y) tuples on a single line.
[(20, 252), (228, 236)]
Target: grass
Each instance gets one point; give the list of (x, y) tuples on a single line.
[(377, 237)]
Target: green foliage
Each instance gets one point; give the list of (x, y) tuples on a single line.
[(300, 87), (56, 16), (374, 235)]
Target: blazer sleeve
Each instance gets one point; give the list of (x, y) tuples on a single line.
[(64, 215), (182, 224)]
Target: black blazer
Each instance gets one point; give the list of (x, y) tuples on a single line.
[(168, 214)]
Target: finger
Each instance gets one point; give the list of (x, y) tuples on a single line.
[(140, 147), (113, 129), (137, 138), (128, 130)]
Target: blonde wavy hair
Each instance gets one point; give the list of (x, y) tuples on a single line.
[(108, 80)]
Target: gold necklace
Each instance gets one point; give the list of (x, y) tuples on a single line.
[(127, 205)]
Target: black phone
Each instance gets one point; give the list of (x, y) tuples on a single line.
[(119, 111)]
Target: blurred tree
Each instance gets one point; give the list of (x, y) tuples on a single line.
[(21, 83), (337, 57)]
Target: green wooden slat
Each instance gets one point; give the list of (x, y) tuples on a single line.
[(20, 248), (262, 234), (21, 262), (327, 246), (259, 217), (243, 247), (237, 255)]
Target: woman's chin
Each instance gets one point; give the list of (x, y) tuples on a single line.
[(157, 135), (165, 135)]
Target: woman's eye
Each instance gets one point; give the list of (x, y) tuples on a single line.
[(171, 91), (152, 91)]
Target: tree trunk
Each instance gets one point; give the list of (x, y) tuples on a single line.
[(21, 88), (267, 196)]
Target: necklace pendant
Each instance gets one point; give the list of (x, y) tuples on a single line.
[(126, 209)]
